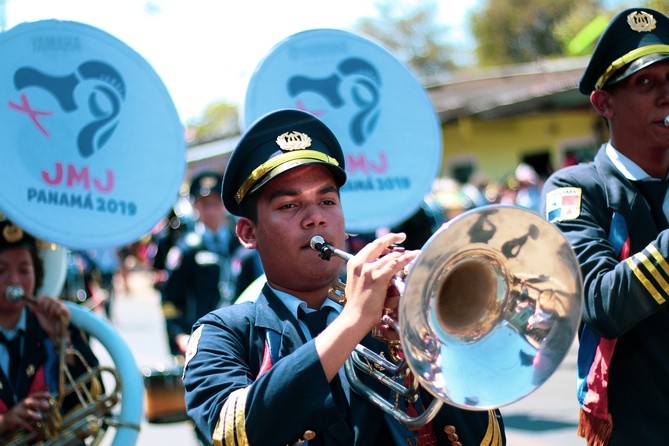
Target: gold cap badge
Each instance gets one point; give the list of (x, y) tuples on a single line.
[(290, 141), (12, 233), (641, 21)]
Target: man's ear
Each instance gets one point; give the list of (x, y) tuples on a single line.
[(601, 100), (246, 233)]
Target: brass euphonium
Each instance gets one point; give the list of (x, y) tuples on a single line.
[(489, 310)]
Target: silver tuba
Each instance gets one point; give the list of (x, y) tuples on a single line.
[(490, 308)]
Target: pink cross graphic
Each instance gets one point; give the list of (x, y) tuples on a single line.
[(33, 114), (301, 106)]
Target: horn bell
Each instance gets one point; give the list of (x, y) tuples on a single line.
[(491, 307)]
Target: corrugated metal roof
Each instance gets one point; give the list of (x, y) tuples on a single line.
[(509, 90)]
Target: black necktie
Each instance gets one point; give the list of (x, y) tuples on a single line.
[(14, 349), (316, 320), (654, 192)]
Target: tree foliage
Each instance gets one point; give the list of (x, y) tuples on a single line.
[(412, 33), (218, 120), (517, 31), (658, 5)]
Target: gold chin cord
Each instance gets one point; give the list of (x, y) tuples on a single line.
[(92, 401), (489, 309)]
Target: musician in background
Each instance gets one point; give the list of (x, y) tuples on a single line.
[(606, 211), (261, 373), (29, 336), (199, 276)]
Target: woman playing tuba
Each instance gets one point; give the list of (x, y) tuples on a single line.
[(31, 333)]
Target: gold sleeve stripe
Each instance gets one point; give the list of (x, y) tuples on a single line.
[(661, 261), (217, 437), (230, 429), (493, 435), (645, 267), (240, 421)]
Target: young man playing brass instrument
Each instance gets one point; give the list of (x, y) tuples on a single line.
[(254, 373), (613, 211)]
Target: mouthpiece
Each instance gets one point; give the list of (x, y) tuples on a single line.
[(317, 242), (14, 293), (666, 121), (326, 250)]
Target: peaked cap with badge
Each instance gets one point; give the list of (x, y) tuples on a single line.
[(633, 40), (205, 183), (279, 141), (12, 236)]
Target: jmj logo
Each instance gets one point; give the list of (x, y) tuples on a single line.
[(104, 101), (355, 78)]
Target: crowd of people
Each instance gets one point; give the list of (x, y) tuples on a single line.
[(270, 370)]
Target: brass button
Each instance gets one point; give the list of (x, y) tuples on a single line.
[(449, 429), (309, 435), (453, 437)]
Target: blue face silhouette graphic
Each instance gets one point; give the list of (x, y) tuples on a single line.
[(363, 81), (103, 102)]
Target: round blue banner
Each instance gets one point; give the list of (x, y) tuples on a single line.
[(378, 110), (93, 152)]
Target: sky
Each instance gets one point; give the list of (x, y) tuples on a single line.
[(205, 50)]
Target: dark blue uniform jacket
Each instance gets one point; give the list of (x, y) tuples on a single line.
[(623, 299)]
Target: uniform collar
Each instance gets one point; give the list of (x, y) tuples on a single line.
[(294, 304), (626, 166), (20, 326)]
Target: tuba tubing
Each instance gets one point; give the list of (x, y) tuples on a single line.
[(369, 362), (127, 422)]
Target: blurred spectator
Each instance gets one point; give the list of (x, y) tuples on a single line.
[(524, 188), (450, 197)]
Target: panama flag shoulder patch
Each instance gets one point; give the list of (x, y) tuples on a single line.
[(563, 204)]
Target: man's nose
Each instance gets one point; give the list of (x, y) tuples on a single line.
[(314, 216)]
